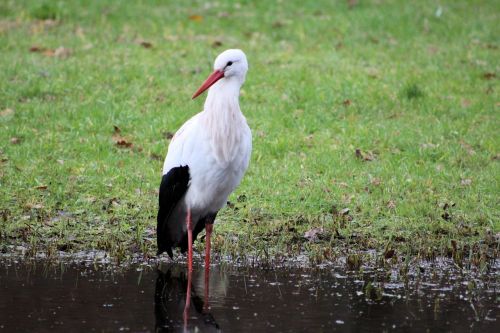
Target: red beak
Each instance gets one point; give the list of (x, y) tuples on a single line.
[(214, 77)]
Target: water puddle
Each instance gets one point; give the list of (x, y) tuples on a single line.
[(37, 297)]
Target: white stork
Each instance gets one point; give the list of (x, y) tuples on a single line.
[(206, 160)]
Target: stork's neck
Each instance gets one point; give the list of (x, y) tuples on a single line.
[(224, 119), (224, 96)]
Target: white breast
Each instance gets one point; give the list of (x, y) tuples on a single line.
[(213, 177)]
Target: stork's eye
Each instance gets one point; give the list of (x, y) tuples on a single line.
[(229, 63)]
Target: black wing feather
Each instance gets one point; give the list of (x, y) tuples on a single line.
[(174, 185)]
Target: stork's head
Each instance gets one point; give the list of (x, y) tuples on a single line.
[(229, 65)]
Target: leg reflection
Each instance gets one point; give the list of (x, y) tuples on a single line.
[(208, 227), (177, 305), (187, 305)]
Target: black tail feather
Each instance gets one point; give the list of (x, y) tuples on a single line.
[(173, 187)]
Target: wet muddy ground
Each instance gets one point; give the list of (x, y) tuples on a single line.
[(38, 297)]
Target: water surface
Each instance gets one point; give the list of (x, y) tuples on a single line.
[(38, 297)]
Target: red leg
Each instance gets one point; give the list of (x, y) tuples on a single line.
[(208, 228), (190, 241), (190, 268)]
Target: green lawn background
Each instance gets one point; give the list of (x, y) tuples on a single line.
[(413, 86)]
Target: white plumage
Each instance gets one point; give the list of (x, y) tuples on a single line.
[(216, 145)]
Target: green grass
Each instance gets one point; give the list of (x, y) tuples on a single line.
[(415, 92)]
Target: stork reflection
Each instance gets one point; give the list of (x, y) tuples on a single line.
[(179, 306)]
